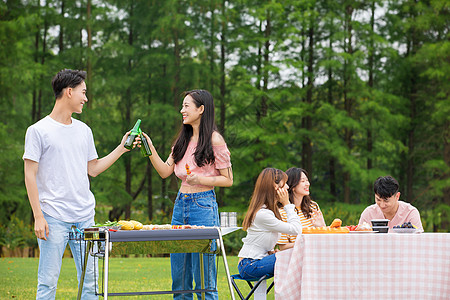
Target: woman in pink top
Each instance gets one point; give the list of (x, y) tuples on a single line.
[(200, 158), (388, 206)]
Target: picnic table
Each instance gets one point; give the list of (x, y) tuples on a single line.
[(365, 266)]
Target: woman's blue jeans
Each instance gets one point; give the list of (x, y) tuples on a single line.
[(194, 209), (50, 259), (250, 268)]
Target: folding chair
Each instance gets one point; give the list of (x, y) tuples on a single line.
[(253, 287)]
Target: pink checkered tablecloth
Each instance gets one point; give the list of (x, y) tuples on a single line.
[(365, 266)]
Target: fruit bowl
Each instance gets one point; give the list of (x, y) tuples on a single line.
[(404, 230)]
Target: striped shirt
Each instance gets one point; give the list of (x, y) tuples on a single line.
[(289, 238)]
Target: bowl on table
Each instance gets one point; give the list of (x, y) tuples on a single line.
[(379, 222), (404, 230), (381, 229)]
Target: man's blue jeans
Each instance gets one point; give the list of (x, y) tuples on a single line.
[(194, 209), (256, 268), (50, 259)]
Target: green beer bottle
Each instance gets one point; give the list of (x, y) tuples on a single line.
[(145, 148), (133, 134)]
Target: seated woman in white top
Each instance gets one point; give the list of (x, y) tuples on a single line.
[(264, 226)]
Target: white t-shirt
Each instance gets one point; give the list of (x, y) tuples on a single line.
[(265, 231), (63, 152)]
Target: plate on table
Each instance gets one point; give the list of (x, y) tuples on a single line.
[(363, 231), (404, 230)]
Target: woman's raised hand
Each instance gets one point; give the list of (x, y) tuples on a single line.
[(283, 196), (149, 140), (317, 218)]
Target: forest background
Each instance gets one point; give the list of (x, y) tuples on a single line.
[(347, 89)]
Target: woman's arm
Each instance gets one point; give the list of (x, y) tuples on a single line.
[(164, 169), (225, 179), (266, 219), (286, 246)]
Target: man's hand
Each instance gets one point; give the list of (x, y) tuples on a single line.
[(124, 139), (41, 228)]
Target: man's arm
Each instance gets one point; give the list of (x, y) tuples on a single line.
[(97, 166), (364, 217), (414, 218), (40, 224)]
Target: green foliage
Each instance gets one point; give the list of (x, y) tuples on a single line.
[(436, 219), (17, 234), (364, 98)]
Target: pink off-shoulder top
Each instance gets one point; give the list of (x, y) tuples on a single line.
[(222, 161)]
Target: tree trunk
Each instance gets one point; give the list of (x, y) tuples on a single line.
[(129, 102), (149, 190), (348, 101), (332, 162), (211, 50), (128, 157), (258, 76), (371, 84), (414, 78), (89, 48), (61, 29), (149, 164), (220, 198), (303, 119), (176, 102), (163, 145), (310, 85), (446, 137), (267, 33)]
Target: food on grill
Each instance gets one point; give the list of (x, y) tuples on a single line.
[(168, 226), (126, 225), (136, 225), (336, 223), (188, 170), (107, 224)]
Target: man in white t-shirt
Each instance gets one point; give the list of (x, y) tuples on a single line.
[(59, 156)]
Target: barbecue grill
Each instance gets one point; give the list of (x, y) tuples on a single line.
[(124, 242)]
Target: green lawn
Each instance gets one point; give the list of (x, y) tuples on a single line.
[(18, 277)]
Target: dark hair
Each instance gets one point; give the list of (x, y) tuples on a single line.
[(204, 153), (385, 187), (67, 78), (264, 193), (294, 176)]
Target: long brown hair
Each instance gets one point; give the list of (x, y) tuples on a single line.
[(294, 176), (264, 193)]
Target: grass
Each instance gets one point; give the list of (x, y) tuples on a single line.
[(19, 277)]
